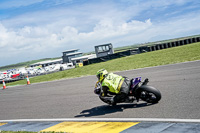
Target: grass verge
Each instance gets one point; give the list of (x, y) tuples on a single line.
[(173, 55)]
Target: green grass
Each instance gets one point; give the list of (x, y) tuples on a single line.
[(179, 54)]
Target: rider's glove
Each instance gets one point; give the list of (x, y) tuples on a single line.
[(97, 89)]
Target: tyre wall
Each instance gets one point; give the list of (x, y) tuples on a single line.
[(143, 49)]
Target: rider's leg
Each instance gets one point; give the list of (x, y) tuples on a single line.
[(120, 98), (123, 95), (125, 89)]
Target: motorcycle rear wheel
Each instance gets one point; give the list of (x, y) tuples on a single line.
[(149, 94)]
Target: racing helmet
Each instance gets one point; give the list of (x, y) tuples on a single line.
[(101, 74)]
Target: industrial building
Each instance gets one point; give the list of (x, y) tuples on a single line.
[(83, 59), (69, 54), (47, 63), (104, 50)]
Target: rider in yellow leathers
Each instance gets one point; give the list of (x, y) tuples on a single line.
[(113, 84)]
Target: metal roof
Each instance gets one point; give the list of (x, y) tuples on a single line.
[(84, 57), (72, 50), (103, 45), (76, 53), (46, 62)]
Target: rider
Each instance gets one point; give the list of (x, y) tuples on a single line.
[(113, 84)]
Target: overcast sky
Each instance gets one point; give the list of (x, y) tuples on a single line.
[(36, 29)]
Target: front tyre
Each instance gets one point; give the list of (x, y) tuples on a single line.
[(149, 94)]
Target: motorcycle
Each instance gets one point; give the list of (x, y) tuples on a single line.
[(138, 90)]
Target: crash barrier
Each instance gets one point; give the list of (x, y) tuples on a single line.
[(166, 45), (142, 49)]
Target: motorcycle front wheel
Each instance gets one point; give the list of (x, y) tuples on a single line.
[(149, 94)]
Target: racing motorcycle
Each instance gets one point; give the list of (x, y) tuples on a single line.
[(139, 90)]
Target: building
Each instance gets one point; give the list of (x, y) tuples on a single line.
[(47, 63), (69, 54), (104, 50), (83, 59)]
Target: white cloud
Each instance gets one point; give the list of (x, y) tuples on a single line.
[(47, 33), (33, 38), (39, 39)]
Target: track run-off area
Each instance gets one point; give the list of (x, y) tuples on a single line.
[(74, 98)]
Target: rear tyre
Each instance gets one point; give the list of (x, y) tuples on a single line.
[(149, 94)]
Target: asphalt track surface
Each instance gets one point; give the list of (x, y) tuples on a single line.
[(74, 98)]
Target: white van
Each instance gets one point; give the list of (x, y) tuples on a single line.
[(66, 66)]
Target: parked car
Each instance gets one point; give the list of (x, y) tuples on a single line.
[(15, 76)]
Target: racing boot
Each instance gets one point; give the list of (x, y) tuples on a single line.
[(112, 102), (129, 100)]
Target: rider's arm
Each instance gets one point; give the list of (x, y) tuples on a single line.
[(105, 91)]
